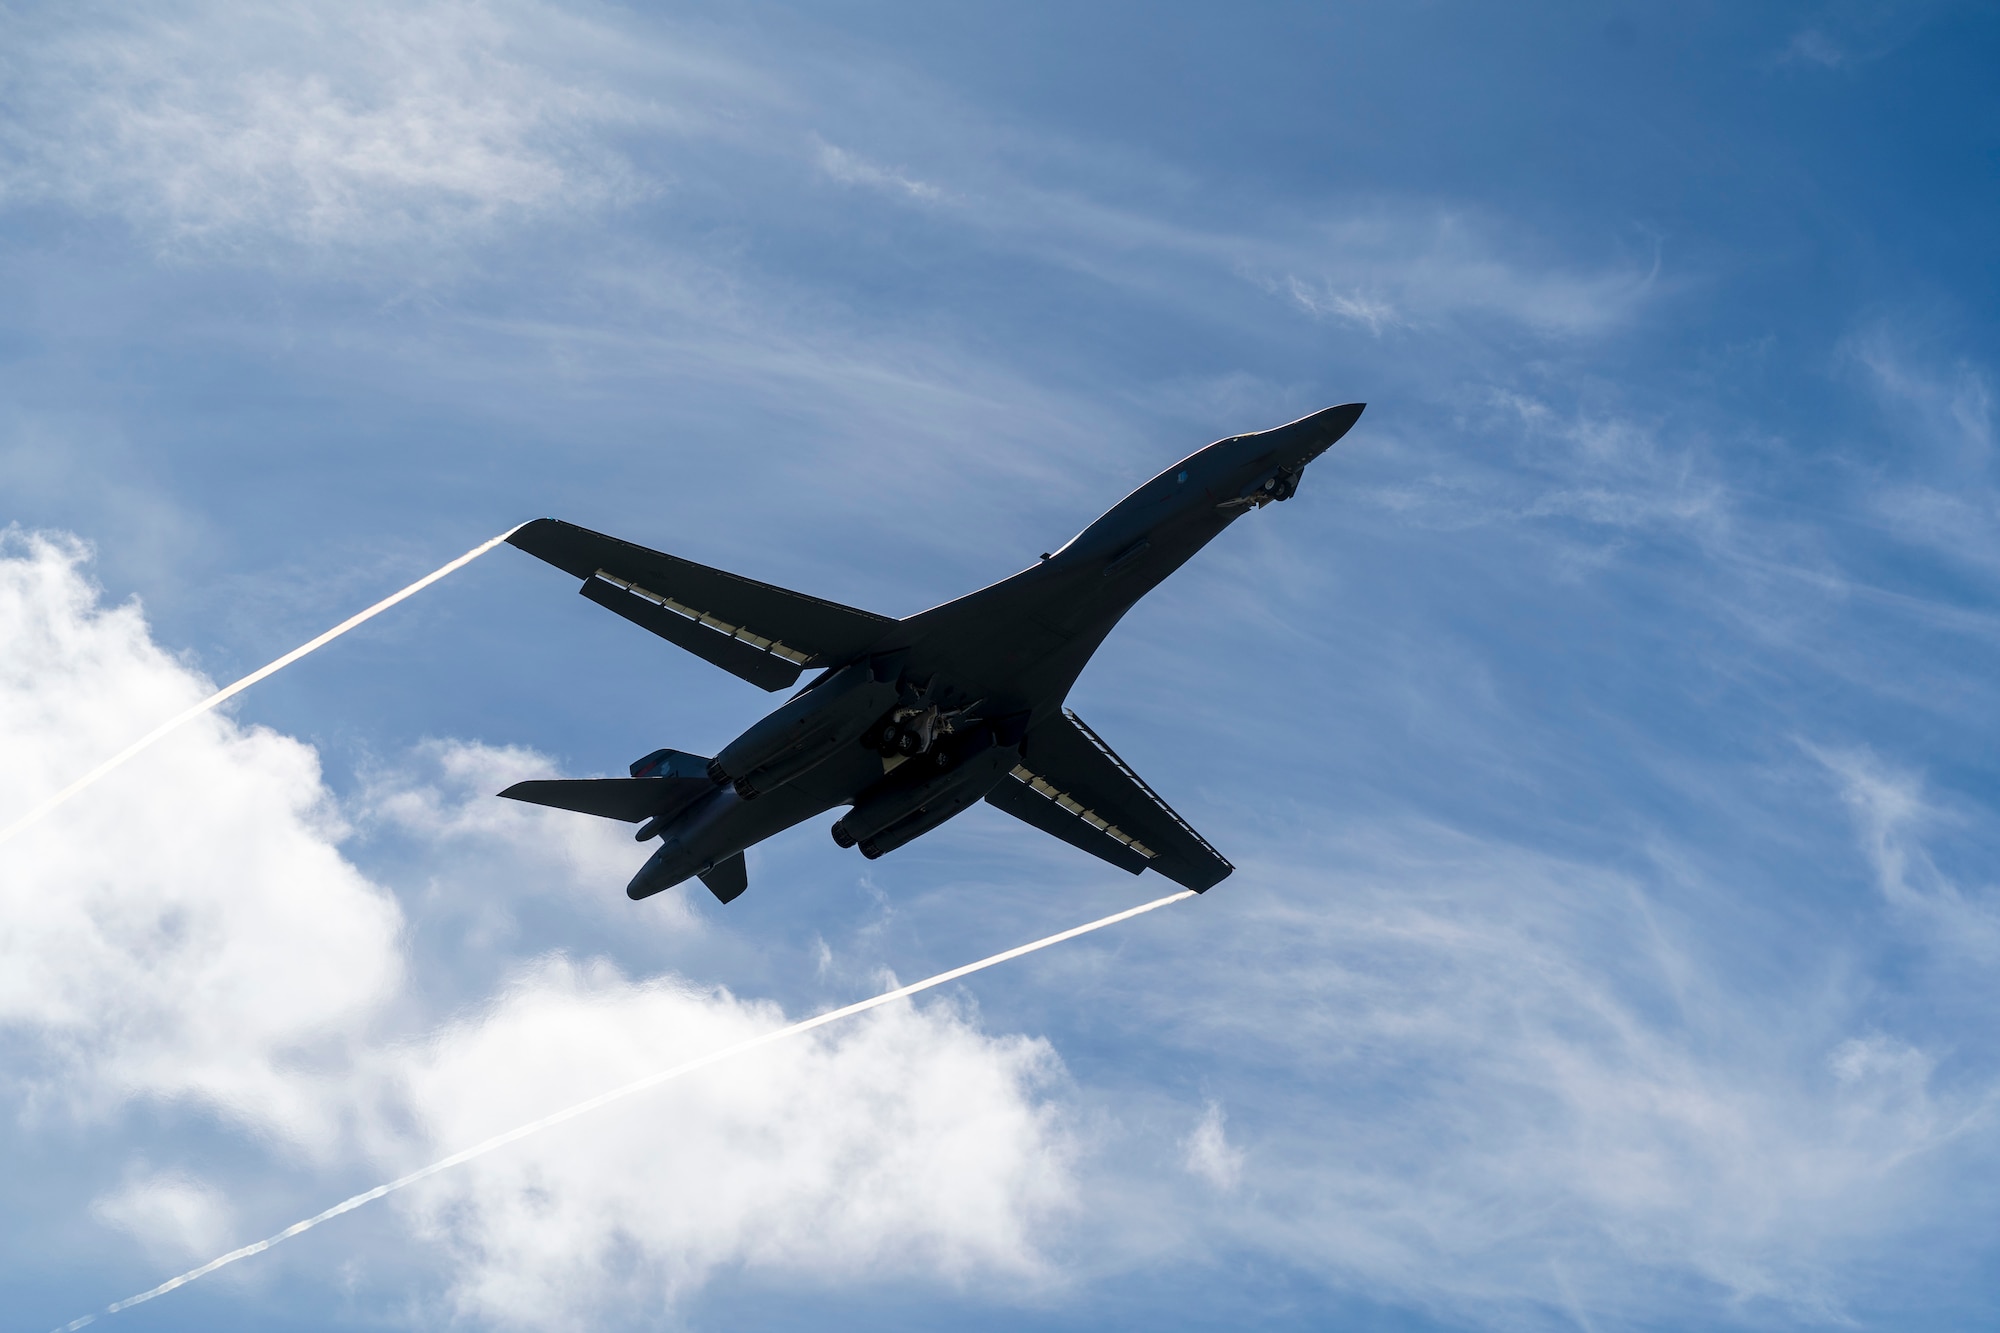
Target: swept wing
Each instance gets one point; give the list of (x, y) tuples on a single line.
[(761, 632), (1069, 783)]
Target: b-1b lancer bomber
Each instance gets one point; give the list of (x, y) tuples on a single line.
[(908, 722)]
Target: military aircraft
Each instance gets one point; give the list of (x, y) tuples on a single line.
[(909, 722)]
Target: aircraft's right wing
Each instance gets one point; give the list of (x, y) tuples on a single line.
[(763, 633), (1069, 783)]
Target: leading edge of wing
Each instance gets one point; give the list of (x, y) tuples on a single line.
[(759, 631)]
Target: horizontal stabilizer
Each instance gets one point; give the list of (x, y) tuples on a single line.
[(629, 799), (1069, 783), (761, 632)]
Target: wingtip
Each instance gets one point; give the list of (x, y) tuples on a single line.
[(517, 536)]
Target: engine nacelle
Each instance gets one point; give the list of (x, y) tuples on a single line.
[(894, 802), (805, 732), (883, 823), (922, 822)]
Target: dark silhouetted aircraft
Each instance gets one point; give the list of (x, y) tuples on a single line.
[(910, 721)]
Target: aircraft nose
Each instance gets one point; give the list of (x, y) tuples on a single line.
[(1309, 437), (1333, 422)]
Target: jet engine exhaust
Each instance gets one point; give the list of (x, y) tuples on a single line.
[(603, 1099)]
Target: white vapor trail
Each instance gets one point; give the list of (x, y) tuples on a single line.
[(260, 673), (617, 1094)]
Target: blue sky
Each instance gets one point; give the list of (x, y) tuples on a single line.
[(1602, 735)]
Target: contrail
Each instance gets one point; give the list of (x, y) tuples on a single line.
[(231, 690), (616, 1094)]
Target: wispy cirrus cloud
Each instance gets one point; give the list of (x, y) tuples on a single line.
[(1810, 46), (215, 129), (1210, 1154), (1556, 1103), (1929, 466), (1894, 818), (1417, 267), (1942, 403), (852, 169), (412, 129), (1845, 34)]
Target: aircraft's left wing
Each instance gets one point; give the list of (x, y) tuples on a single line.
[(1069, 783), (761, 632)]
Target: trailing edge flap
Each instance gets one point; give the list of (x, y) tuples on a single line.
[(727, 878), (1069, 783), (763, 633), (629, 799)]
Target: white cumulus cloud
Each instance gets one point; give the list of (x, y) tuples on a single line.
[(909, 1143), (174, 1217), (189, 933), (187, 928)]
